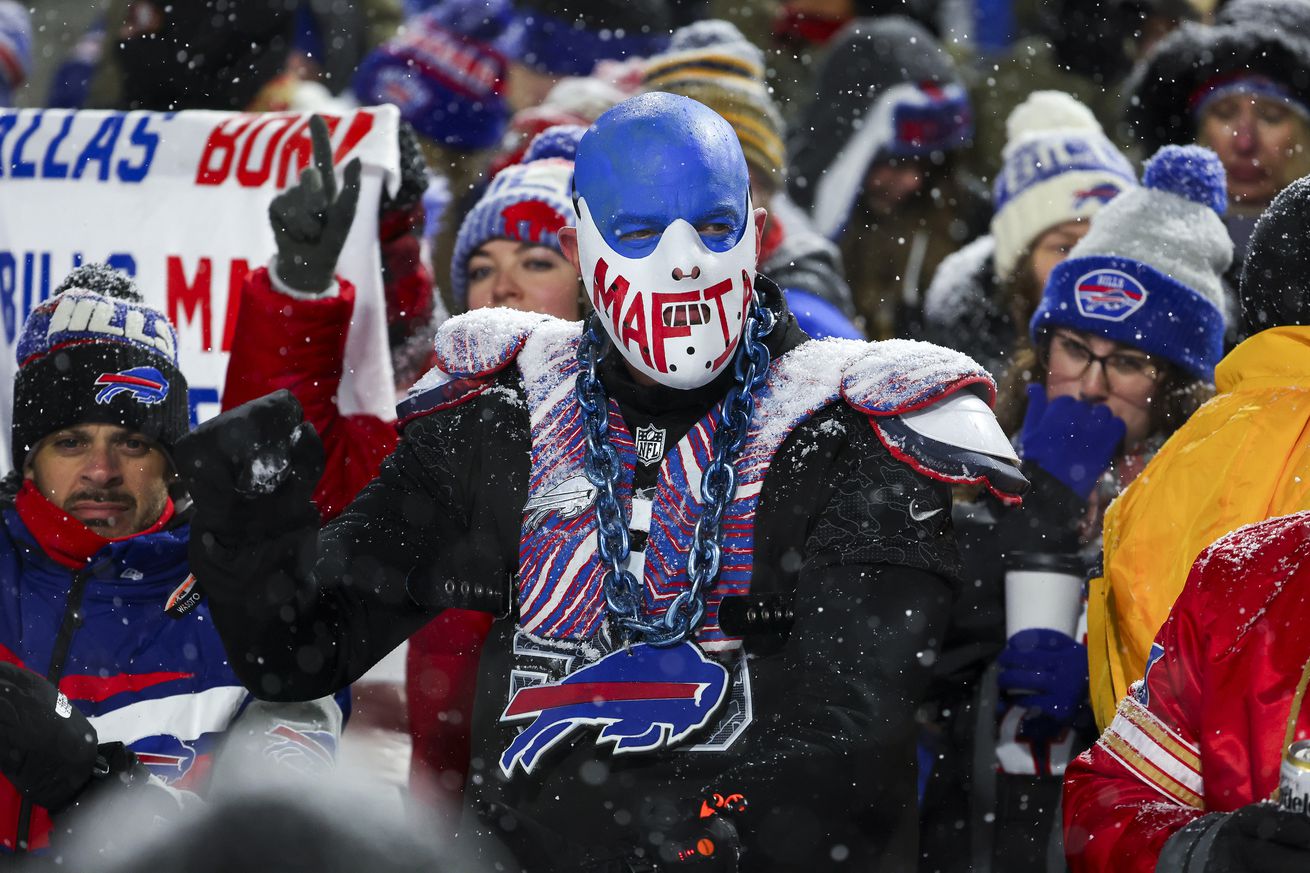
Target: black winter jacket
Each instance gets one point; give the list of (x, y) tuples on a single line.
[(858, 546)]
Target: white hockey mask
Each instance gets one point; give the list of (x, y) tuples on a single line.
[(681, 332)]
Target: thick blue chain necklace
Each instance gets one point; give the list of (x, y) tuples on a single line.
[(623, 592)]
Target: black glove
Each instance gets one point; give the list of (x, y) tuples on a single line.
[(1258, 838), (413, 172), (252, 470), (47, 747), (311, 221)]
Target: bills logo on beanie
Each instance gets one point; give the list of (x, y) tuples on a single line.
[(1149, 273), (145, 384), (95, 353), (1109, 294), (527, 202), (1058, 166)]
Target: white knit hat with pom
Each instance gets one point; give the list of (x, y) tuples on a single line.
[(1058, 166)]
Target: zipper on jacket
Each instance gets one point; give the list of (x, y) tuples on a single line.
[(58, 656)]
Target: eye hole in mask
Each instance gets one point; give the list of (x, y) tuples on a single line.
[(685, 314)]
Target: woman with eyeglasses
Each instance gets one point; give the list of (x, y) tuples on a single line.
[(1121, 350)]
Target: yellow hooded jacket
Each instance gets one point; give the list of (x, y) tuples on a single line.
[(1242, 458)]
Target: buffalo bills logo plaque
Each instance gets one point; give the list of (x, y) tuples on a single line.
[(642, 698)]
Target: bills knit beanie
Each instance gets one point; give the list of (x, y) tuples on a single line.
[(1275, 287), (1058, 166), (713, 63), (443, 75), (95, 352), (1149, 272), (526, 202), (569, 37)]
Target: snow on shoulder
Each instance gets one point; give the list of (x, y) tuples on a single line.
[(470, 349), (484, 341), (931, 407)]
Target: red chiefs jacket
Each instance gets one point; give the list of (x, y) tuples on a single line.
[(1204, 731), (299, 343)]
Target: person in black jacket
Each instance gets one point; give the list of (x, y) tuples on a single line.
[(645, 499)]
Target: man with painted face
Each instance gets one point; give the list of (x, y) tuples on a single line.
[(720, 553)]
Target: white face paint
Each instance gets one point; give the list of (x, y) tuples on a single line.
[(677, 314)]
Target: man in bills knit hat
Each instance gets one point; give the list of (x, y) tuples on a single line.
[(99, 602)]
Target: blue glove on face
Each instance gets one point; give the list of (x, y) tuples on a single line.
[(1071, 439), (1047, 670)]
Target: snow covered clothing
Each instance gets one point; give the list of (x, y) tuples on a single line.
[(1058, 166), (1242, 457), (1149, 271), (476, 495), (1205, 730), (1260, 38), (121, 628), (886, 89), (96, 353)]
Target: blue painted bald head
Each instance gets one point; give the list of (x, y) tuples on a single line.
[(658, 157)]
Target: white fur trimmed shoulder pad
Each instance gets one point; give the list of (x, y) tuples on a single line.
[(470, 350), (931, 408)]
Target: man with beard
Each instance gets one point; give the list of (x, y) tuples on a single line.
[(701, 533), (111, 675)]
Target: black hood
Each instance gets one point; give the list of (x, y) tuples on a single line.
[(1250, 37), (868, 56)]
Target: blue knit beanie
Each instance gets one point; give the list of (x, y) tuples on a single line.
[(443, 74), (527, 202), (96, 352), (1149, 273)]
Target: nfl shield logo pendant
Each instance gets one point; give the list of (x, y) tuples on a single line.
[(650, 444)]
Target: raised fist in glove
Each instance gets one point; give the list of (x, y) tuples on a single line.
[(252, 470), (1259, 838), (47, 748), (1046, 671), (1071, 439), (312, 218)]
